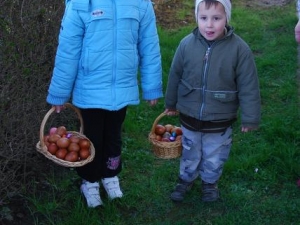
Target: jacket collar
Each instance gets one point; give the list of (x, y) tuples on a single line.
[(198, 35)]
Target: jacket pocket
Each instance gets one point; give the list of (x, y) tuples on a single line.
[(221, 102), (223, 96), (184, 88), (129, 21)]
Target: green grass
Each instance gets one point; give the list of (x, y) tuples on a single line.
[(185, 10), (258, 185)]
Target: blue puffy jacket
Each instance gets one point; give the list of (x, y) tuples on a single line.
[(103, 45)]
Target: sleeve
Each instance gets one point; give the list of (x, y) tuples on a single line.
[(248, 90), (67, 57), (150, 57), (176, 70)]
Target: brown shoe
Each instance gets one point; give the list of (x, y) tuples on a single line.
[(210, 192)]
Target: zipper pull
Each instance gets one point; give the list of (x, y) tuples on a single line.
[(206, 54)]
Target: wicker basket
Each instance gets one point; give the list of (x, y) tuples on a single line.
[(42, 148), (161, 149)]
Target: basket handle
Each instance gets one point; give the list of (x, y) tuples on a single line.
[(46, 117), (156, 121)]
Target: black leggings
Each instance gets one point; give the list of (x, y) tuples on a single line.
[(104, 129)]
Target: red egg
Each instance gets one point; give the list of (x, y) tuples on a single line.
[(84, 143), (52, 148), (53, 138), (62, 130), (72, 156), (84, 153), (177, 130), (63, 142), (61, 153), (74, 139), (160, 129), (73, 147)]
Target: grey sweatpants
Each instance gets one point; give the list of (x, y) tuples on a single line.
[(204, 155)]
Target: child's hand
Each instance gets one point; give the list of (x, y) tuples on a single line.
[(171, 112), (152, 102), (247, 129), (297, 32), (58, 108)]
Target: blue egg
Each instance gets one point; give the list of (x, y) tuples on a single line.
[(174, 134)]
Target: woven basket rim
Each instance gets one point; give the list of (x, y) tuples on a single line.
[(42, 148), (165, 150)]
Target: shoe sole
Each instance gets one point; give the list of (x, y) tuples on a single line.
[(176, 199)]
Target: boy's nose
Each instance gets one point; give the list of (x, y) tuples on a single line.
[(209, 23)]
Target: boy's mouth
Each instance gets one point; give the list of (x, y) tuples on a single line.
[(209, 33)]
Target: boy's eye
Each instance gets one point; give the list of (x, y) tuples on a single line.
[(203, 17)]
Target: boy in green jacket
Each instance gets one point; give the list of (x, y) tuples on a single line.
[(212, 75)]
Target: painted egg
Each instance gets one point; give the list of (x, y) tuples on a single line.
[(172, 138)]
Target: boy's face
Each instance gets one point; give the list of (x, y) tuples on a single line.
[(212, 21)]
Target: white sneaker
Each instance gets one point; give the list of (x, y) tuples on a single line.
[(91, 193), (112, 187)]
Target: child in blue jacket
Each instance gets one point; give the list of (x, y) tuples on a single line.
[(102, 47)]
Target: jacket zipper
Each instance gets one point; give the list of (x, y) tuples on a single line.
[(113, 92), (204, 80)]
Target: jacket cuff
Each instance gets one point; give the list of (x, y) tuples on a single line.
[(153, 94), (54, 100)]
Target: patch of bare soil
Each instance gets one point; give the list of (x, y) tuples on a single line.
[(166, 10)]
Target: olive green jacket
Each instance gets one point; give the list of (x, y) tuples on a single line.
[(211, 82)]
